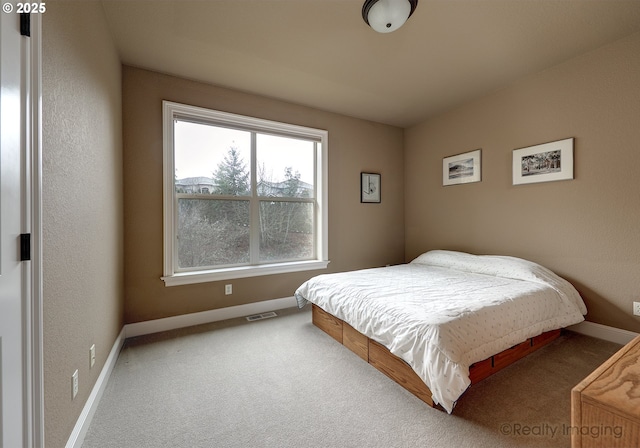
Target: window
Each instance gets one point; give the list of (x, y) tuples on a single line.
[(242, 196)]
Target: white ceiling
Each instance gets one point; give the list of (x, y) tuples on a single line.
[(320, 53)]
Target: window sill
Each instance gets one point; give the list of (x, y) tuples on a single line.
[(188, 278)]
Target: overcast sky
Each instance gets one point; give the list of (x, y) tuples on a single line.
[(200, 148)]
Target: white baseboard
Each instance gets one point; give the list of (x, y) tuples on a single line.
[(605, 332), (205, 317), (82, 425)]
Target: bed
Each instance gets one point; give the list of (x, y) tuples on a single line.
[(446, 319)]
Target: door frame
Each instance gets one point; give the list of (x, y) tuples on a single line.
[(33, 419)]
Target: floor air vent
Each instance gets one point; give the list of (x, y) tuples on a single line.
[(261, 316)]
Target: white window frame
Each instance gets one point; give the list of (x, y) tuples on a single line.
[(172, 111)]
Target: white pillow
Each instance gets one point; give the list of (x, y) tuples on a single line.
[(502, 266)]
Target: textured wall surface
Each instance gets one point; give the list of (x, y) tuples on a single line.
[(82, 206), (585, 229), (360, 235)]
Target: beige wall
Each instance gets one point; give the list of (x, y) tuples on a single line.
[(360, 235), (586, 229), (82, 206)]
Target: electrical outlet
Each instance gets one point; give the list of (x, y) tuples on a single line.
[(74, 384), (228, 289), (92, 356), (636, 308)]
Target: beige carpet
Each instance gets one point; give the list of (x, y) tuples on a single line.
[(282, 382)]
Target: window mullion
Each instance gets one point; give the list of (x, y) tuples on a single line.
[(254, 216)]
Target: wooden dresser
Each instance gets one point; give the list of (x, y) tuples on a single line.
[(605, 406)]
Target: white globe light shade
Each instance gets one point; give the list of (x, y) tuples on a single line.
[(386, 16)]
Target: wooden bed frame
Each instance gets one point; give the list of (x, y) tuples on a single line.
[(399, 371)]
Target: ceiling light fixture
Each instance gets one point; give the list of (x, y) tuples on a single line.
[(385, 16)]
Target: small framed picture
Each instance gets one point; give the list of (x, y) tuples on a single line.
[(369, 187), (543, 163), (462, 168)]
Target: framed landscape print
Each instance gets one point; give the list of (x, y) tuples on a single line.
[(543, 163), (462, 169), (369, 187)]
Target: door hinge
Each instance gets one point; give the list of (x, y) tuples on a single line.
[(25, 247), (25, 24)]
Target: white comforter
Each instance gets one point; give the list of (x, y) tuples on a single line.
[(446, 310)]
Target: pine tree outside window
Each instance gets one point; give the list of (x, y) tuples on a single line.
[(243, 196)]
